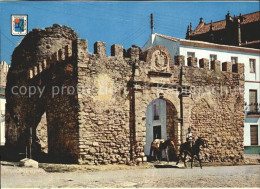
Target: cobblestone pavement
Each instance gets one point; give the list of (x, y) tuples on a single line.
[(164, 176)]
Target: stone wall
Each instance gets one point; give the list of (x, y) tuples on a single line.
[(104, 120), (216, 110), (42, 60), (188, 88), (104, 105)]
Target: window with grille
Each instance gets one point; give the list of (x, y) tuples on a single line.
[(234, 60), (253, 100), (190, 54), (252, 65), (254, 134), (213, 57)]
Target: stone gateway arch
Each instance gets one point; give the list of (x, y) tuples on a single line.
[(92, 108)]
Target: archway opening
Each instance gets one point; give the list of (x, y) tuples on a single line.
[(41, 140), (161, 123)]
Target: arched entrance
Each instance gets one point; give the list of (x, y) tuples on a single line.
[(161, 122)]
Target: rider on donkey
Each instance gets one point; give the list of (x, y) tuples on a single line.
[(189, 138)]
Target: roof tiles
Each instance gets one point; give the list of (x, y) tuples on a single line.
[(220, 25)]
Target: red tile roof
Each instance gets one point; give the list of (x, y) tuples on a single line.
[(220, 25)]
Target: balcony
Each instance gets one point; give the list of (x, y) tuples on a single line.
[(252, 110)]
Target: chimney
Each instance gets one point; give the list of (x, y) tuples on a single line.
[(228, 17), (201, 20), (211, 26), (241, 18)]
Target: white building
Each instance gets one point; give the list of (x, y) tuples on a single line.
[(2, 117), (224, 53), (4, 67)]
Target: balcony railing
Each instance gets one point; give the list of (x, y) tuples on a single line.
[(252, 109)]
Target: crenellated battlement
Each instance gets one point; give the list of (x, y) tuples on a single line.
[(215, 65), (51, 61), (96, 105), (116, 50), (79, 48)]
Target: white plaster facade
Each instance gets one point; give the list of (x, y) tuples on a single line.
[(224, 53), (151, 123), (4, 67), (2, 119)]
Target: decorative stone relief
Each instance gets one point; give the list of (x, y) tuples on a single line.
[(160, 61)]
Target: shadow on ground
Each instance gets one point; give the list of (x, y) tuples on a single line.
[(166, 166)]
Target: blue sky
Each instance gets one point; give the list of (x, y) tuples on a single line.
[(123, 23)]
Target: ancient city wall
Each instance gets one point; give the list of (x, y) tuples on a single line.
[(104, 121), (42, 60), (189, 88), (104, 114), (217, 113)]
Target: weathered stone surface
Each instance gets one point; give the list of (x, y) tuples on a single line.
[(28, 163), (24, 111), (227, 66), (215, 65), (192, 61), (105, 120), (204, 63)]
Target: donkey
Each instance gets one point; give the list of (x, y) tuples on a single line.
[(195, 150), (160, 145)]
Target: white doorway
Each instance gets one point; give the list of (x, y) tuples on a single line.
[(155, 123)]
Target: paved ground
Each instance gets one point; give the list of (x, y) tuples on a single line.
[(169, 176)]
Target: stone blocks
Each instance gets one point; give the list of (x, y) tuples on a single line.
[(238, 68), (227, 66), (108, 126), (204, 63), (192, 61), (179, 60), (100, 48), (117, 50), (215, 65), (28, 163)]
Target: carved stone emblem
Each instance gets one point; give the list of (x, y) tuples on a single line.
[(160, 61)]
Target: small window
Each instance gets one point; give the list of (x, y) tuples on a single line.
[(254, 134), (156, 111), (190, 54), (253, 100), (213, 57), (234, 60), (252, 65)]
